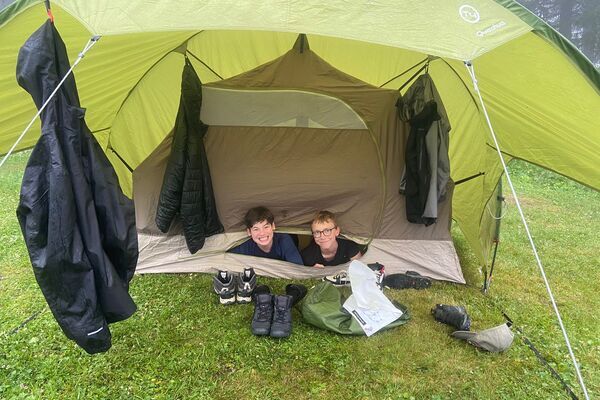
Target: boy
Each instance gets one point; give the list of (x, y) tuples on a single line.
[(326, 248), (260, 226)]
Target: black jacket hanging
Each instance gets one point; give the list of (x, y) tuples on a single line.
[(78, 226), (187, 186)]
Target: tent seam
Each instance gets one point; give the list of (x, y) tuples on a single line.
[(20, 7), (203, 63), (546, 168), (109, 145), (463, 82)]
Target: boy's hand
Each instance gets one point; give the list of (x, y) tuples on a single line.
[(318, 266)]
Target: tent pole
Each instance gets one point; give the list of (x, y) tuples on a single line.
[(498, 218), (471, 72), (93, 40)]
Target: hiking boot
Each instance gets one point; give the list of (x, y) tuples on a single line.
[(408, 280), (455, 316), (260, 289), (263, 314), (379, 270), (296, 291), (246, 283), (282, 316), (224, 285), (341, 279)]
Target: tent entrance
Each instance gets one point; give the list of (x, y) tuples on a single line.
[(297, 136)]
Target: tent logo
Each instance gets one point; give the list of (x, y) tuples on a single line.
[(469, 14), (491, 29)]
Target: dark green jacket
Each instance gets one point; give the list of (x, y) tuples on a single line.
[(187, 187)]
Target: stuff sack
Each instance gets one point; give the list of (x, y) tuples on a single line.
[(322, 307)]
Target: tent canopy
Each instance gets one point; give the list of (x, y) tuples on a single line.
[(541, 93)]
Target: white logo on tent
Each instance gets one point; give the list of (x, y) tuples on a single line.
[(491, 29), (469, 14)]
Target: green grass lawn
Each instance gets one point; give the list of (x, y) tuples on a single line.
[(181, 344)]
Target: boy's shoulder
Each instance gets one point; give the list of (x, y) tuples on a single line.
[(281, 236), (283, 239)]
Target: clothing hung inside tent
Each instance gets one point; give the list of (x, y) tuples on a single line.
[(427, 167), (187, 188)]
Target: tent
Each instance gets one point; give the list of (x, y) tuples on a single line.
[(541, 94)]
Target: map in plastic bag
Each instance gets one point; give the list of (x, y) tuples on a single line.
[(367, 304)]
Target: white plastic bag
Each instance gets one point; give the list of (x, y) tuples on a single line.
[(367, 304)]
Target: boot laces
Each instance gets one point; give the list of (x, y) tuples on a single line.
[(279, 314), (263, 312)]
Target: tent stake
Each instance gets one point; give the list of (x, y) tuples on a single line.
[(471, 72), (90, 43)]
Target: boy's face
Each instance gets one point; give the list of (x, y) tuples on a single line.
[(262, 234), (327, 233)]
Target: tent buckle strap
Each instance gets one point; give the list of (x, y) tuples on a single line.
[(468, 178)]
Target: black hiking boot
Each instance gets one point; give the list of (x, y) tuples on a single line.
[(260, 289), (296, 291), (282, 316), (455, 316), (408, 280), (263, 314)]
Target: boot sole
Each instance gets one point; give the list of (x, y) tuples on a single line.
[(244, 299), (280, 335), (227, 301), (260, 332)]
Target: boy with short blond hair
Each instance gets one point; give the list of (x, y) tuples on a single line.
[(326, 248)]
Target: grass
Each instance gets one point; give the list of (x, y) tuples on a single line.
[(181, 344)]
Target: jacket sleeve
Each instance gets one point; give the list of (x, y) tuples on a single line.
[(115, 212)]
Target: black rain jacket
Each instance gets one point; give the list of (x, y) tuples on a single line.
[(187, 186), (78, 226)]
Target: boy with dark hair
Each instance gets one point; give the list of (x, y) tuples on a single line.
[(326, 248), (260, 226)]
